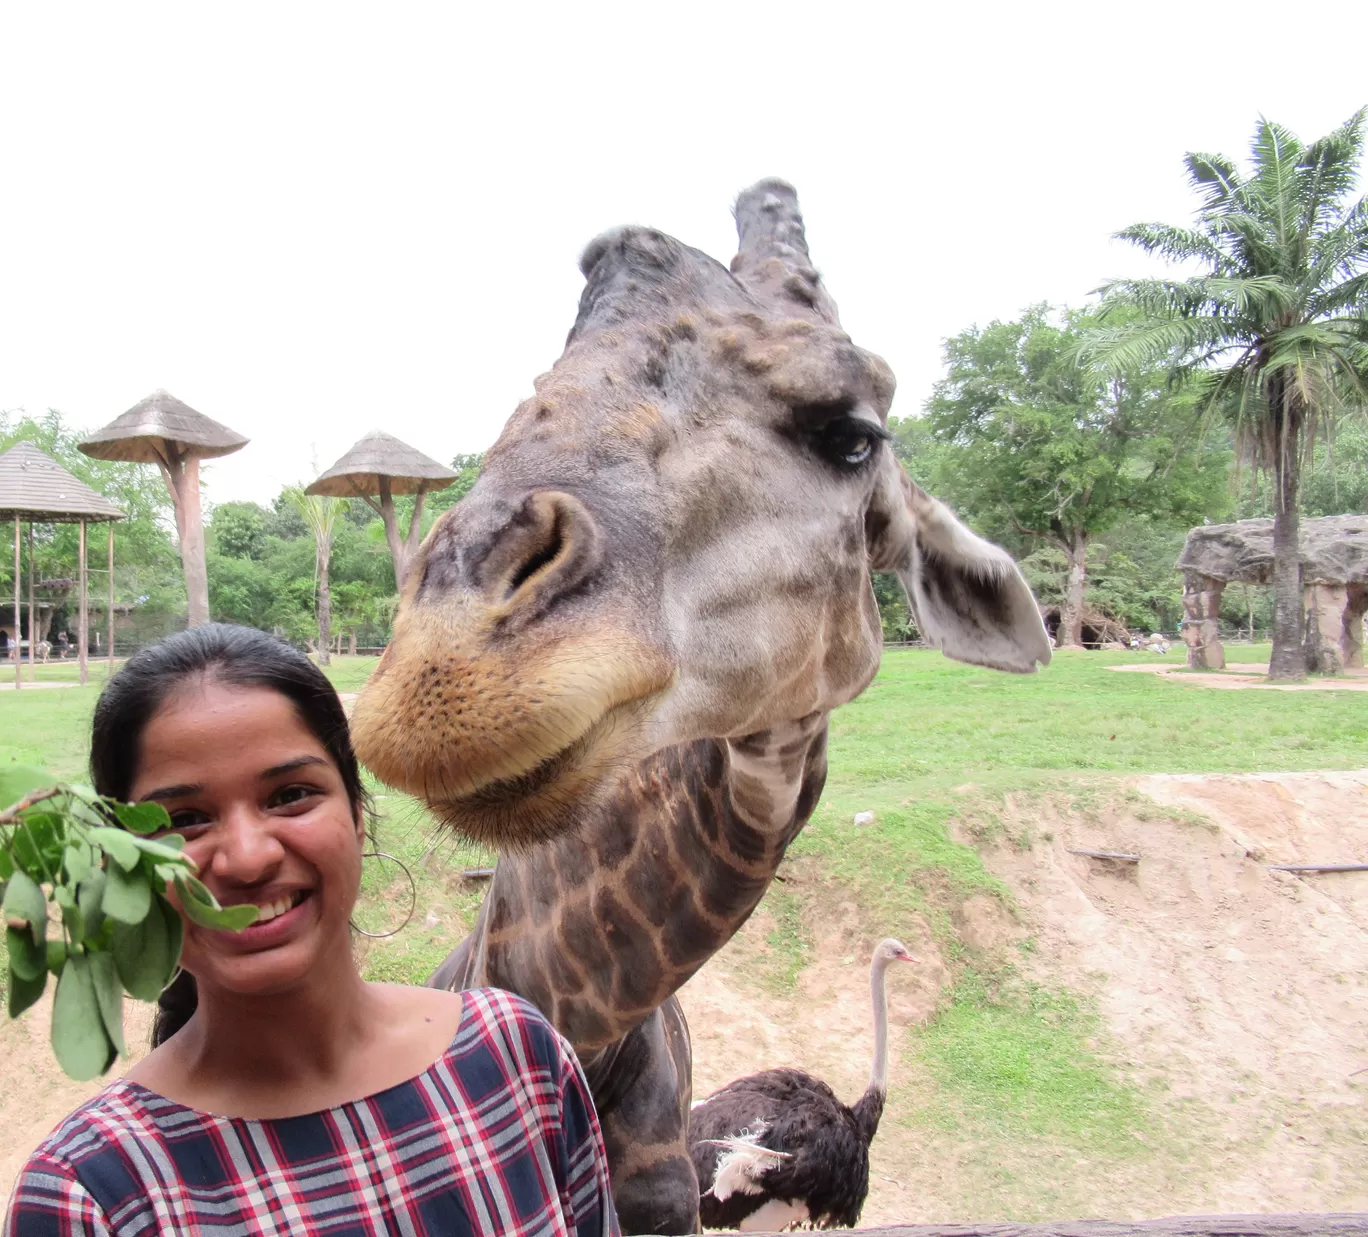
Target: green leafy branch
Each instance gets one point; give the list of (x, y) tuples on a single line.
[(99, 872)]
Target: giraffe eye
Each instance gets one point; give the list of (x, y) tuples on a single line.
[(849, 443)]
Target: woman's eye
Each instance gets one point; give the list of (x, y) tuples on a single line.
[(292, 796), (188, 819)]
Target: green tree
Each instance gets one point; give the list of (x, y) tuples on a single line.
[(1276, 325), (320, 516), (1039, 447)]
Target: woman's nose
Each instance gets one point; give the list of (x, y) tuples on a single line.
[(246, 850)]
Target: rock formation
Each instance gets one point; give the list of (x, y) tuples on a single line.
[(1334, 566)]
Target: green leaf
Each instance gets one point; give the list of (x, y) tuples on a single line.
[(27, 959), (17, 781), (127, 896), (6, 865), (90, 898), (38, 842), (143, 817), (109, 997), (76, 860), (72, 919), (23, 992), (25, 907), (56, 956), (145, 955), (202, 907), (169, 848), (79, 1039), (122, 847)]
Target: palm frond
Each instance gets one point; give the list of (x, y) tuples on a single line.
[(1277, 154), (1214, 176), (1166, 341), (1177, 244), (1329, 168)]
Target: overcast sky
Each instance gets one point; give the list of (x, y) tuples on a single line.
[(308, 221)]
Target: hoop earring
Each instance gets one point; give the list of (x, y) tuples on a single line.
[(413, 897)]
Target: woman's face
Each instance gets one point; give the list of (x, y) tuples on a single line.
[(265, 815)]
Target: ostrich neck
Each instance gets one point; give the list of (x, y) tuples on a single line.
[(878, 991)]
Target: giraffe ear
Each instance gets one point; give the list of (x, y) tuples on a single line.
[(967, 597)]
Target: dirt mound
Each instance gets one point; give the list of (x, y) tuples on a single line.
[(1237, 990)]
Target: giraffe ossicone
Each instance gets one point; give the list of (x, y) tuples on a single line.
[(615, 657)]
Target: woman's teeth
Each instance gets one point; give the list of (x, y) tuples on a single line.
[(273, 910)]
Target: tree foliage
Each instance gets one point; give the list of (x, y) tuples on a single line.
[(1274, 328), (1035, 449)]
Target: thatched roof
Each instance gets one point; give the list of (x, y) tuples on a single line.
[(138, 434), (35, 487), (381, 455)]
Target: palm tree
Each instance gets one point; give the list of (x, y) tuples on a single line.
[(1275, 329), (320, 515)]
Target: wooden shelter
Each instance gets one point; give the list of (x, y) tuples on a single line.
[(380, 465), (164, 431), (34, 488)]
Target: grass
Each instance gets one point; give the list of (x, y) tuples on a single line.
[(1020, 1059)]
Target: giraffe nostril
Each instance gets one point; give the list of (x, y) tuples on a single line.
[(551, 550)]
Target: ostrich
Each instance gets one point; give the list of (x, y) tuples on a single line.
[(778, 1148)]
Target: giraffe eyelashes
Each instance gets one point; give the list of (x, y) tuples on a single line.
[(849, 442)]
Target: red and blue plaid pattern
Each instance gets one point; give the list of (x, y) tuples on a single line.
[(499, 1136)]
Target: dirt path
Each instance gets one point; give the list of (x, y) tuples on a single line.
[(1240, 675)]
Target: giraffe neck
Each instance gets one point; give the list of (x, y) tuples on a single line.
[(601, 926)]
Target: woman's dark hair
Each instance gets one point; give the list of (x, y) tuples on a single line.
[(240, 656)]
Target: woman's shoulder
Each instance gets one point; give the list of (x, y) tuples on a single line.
[(93, 1141), (496, 1016)]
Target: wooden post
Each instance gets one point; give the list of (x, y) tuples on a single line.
[(18, 662), (83, 619), (33, 616), (109, 616)]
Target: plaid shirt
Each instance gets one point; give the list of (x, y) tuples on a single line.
[(499, 1136)]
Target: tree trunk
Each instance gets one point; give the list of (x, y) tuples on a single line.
[(182, 478), (391, 522), (324, 610), (1071, 616), (1288, 659), (351, 642)]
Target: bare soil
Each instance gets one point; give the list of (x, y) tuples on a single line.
[(1234, 997), (1240, 675)]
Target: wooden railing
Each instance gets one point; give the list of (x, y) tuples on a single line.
[(1337, 1224)]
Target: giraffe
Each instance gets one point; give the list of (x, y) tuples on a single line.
[(615, 658)]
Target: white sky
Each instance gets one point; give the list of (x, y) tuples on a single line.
[(308, 221)]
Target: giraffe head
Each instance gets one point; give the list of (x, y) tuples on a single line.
[(672, 539)]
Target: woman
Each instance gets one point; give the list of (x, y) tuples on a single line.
[(293, 1097)]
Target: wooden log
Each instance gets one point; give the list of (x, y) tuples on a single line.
[(1337, 1224), (33, 612), (1319, 867), (18, 661), (109, 605), (83, 614), (1106, 854)]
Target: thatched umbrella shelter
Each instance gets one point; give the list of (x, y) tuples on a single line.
[(164, 431), (380, 465), (35, 488)]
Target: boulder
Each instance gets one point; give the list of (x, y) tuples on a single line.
[(1334, 550)]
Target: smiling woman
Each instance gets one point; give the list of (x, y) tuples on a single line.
[(284, 1094)]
